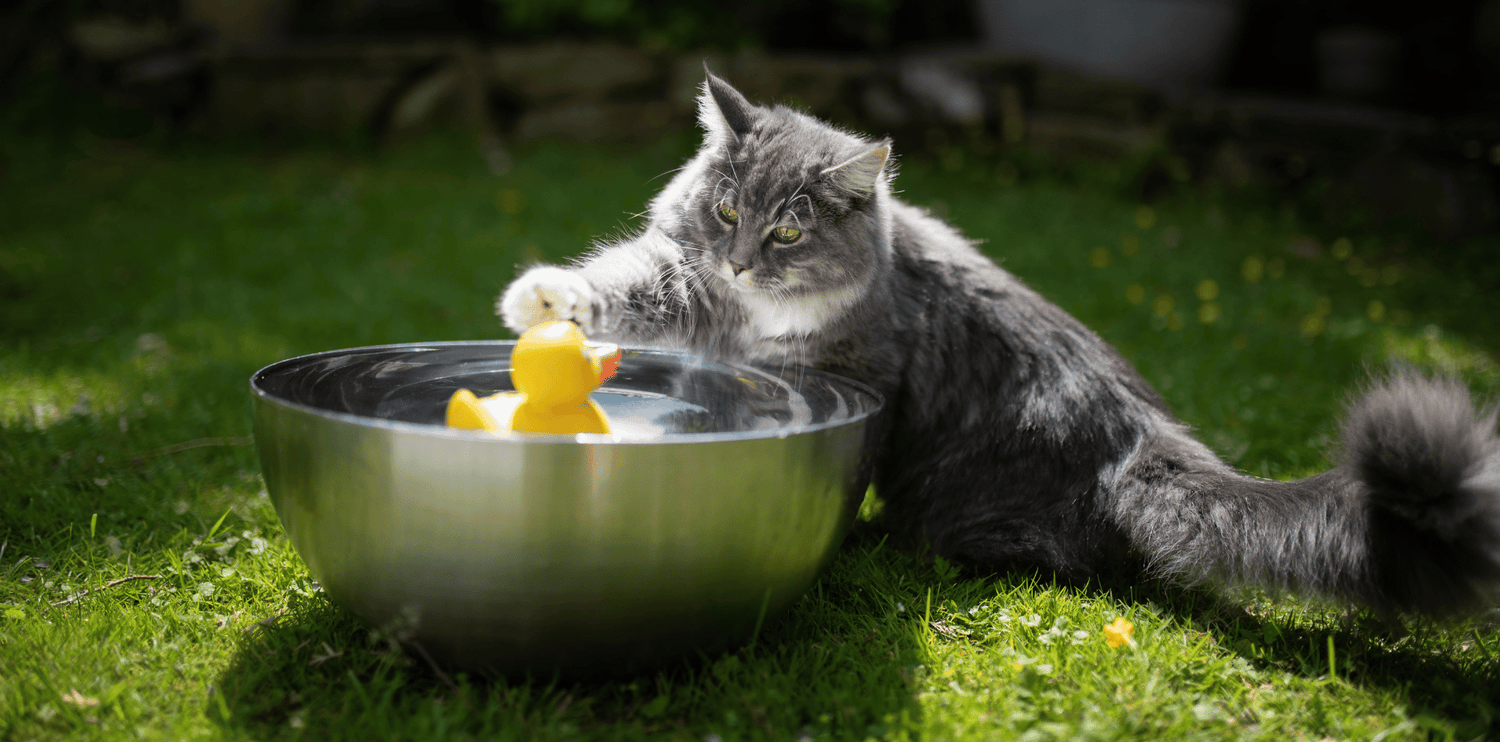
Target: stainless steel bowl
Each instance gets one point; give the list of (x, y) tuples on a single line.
[(728, 491)]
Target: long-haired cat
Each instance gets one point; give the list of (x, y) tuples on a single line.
[(1017, 437)]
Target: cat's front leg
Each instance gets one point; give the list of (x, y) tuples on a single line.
[(548, 293), (631, 291)]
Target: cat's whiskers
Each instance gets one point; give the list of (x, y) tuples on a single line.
[(781, 295), (677, 169), (801, 342), (797, 194), (798, 341), (730, 161), (673, 282), (733, 178), (725, 193), (692, 279), (691, 286), (796, 191)]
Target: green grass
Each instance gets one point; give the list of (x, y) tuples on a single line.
[(140, 287)]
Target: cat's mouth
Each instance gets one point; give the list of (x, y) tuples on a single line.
[(753, 283), (742, 280)]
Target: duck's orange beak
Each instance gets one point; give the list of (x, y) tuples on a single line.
[(605, 358)]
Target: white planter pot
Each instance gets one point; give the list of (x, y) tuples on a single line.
[(1156, 42)]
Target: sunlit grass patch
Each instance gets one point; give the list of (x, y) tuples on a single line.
[(1430, 347), (41, 399), (184, 272)]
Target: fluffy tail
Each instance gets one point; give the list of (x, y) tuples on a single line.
[(1409, 522)]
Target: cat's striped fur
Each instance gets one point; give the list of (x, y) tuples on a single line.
[(1017, 437)]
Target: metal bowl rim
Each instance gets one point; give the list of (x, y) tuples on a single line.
[(440, 431)]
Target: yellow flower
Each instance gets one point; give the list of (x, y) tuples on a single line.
[(1118, 633), (1207, 290), (1252, 269)]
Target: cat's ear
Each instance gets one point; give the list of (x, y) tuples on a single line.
[(857, 175), (722, 111)]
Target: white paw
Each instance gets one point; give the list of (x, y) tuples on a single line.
[(546, 294)]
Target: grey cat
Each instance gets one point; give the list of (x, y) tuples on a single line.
[(1017, 437)]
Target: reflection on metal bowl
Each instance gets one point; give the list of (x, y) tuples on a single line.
[(723, 493)]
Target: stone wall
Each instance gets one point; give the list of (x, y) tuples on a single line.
[(580, 91), (946, 102)]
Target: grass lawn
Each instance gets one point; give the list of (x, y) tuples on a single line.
[(141, 286)]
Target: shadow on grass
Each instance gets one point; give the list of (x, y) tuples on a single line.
[(1416, 661), (840, 663), (844, 662)]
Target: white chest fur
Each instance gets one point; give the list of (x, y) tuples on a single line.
[(770, 317)]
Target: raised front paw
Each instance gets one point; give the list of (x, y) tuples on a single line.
[(545, 294)]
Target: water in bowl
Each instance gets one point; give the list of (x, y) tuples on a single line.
[(654, 396)]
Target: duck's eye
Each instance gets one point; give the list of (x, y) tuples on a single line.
[(729, 213), (786, 235)]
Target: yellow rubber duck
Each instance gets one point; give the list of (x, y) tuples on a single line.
[(554, 367)]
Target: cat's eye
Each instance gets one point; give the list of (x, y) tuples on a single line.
[(786, 235), (729, 213)]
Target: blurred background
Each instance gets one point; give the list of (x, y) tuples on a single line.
[(1255, 201), (1361, 111)]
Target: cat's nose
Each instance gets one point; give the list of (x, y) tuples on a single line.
[(736, 267)]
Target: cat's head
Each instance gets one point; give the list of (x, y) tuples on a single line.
[(777, 203)]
